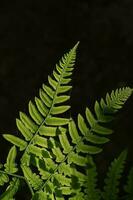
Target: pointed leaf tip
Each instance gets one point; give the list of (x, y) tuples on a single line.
[(76, 45)]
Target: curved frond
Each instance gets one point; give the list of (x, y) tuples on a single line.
[(55, 148), (92, 127), (45, 116), (115, 100), (113, 177), (48, 104)]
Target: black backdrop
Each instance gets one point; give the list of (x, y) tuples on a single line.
[(35, 34)]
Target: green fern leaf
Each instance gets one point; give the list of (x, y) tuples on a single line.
[(58, 154), (48, 90), (94, 125), (46, 100), (40, 141), (41, 125), (63, 89), (101, 130), (48, 131), (11, 189), (51, 165), (16, 141), (33, 178), (115, 100), (129, 186), (62, 179), (41, 107), (52, 82), (36, 116), (89, 131), (29, 124), (77, 159), (42, 168), (59, 109), (55, 148), (100, 115), (39, 152), (91, 188), (56, 121), (3, 178), (81, 147), (65, 169), (64, 140), (73, 132), (40, 196), (10, 165), (78, 196), (25, 132), (113, 176), (61, 99), (78, 147), (88, 135)]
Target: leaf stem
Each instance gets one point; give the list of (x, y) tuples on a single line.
[(10, 174), (20, 177)]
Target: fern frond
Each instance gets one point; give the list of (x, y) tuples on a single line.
[(92, 128), (55, 148), (44, 119), (69, 148), (91, 188), (112, 180), (129, 186), (49, 103), (115, 100), (11, 190), (91, 133)]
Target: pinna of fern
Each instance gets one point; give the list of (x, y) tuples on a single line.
[(55, 149), (8, 176)]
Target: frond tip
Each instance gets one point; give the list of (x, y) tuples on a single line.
[(116, 99)]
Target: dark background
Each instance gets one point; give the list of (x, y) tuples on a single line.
[(35, 34)]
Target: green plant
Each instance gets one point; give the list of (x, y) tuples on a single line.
[(55, 152)]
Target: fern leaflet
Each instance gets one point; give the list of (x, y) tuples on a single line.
[(11, 190), (112, 180), (91, 188)]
